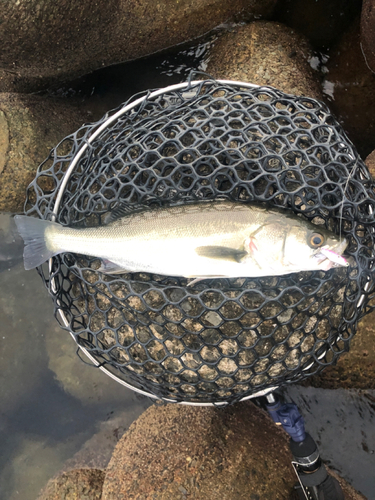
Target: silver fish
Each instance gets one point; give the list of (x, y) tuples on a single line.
[(197, 240)]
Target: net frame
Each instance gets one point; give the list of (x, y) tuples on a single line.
[(187, 86)]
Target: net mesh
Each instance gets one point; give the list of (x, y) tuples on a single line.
[(223, 339)]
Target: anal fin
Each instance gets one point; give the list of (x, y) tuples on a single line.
[(109, 267)]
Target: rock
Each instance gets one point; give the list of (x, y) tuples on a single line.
[(79, 484), (320, 21), (176, 452), (206, 452), (355, 369), (29, 127), (265, 53), (368, 32), (350, 85), (370, 163), (45, 42)]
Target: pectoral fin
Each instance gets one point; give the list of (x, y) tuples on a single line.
[(222, 253)]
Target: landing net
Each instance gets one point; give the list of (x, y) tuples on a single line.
[(222, 340)]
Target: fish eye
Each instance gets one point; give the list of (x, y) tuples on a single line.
[(316, 240)]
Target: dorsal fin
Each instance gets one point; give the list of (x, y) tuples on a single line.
[(123, 209)]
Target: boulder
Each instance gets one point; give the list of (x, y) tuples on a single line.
[(78, 484), (177, 452), (349, 83), (47, 42), (368, 32), (30, 126), (265, 53)]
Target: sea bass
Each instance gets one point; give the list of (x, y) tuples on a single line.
[(197, 240)]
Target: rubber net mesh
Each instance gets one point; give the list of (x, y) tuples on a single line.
[(221, 339)]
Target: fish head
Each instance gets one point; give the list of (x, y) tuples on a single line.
[(310, 247)]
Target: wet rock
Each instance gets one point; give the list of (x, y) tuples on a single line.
[(265, 53), (355, 369), (174, 452), (29, 127), (350, 85), (45, 42), (320, 21), (368, 32), (79, 484)]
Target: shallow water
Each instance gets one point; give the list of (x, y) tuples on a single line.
[(51, 402)]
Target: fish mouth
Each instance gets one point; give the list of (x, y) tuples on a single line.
[(328, 258)]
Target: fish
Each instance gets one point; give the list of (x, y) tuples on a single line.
[(200, 240)]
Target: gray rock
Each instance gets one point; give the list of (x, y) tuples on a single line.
[(35, 459), (11, 243), (21, 366), (45, 41), (265, 53)]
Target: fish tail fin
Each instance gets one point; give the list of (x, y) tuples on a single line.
[(32, 231)]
